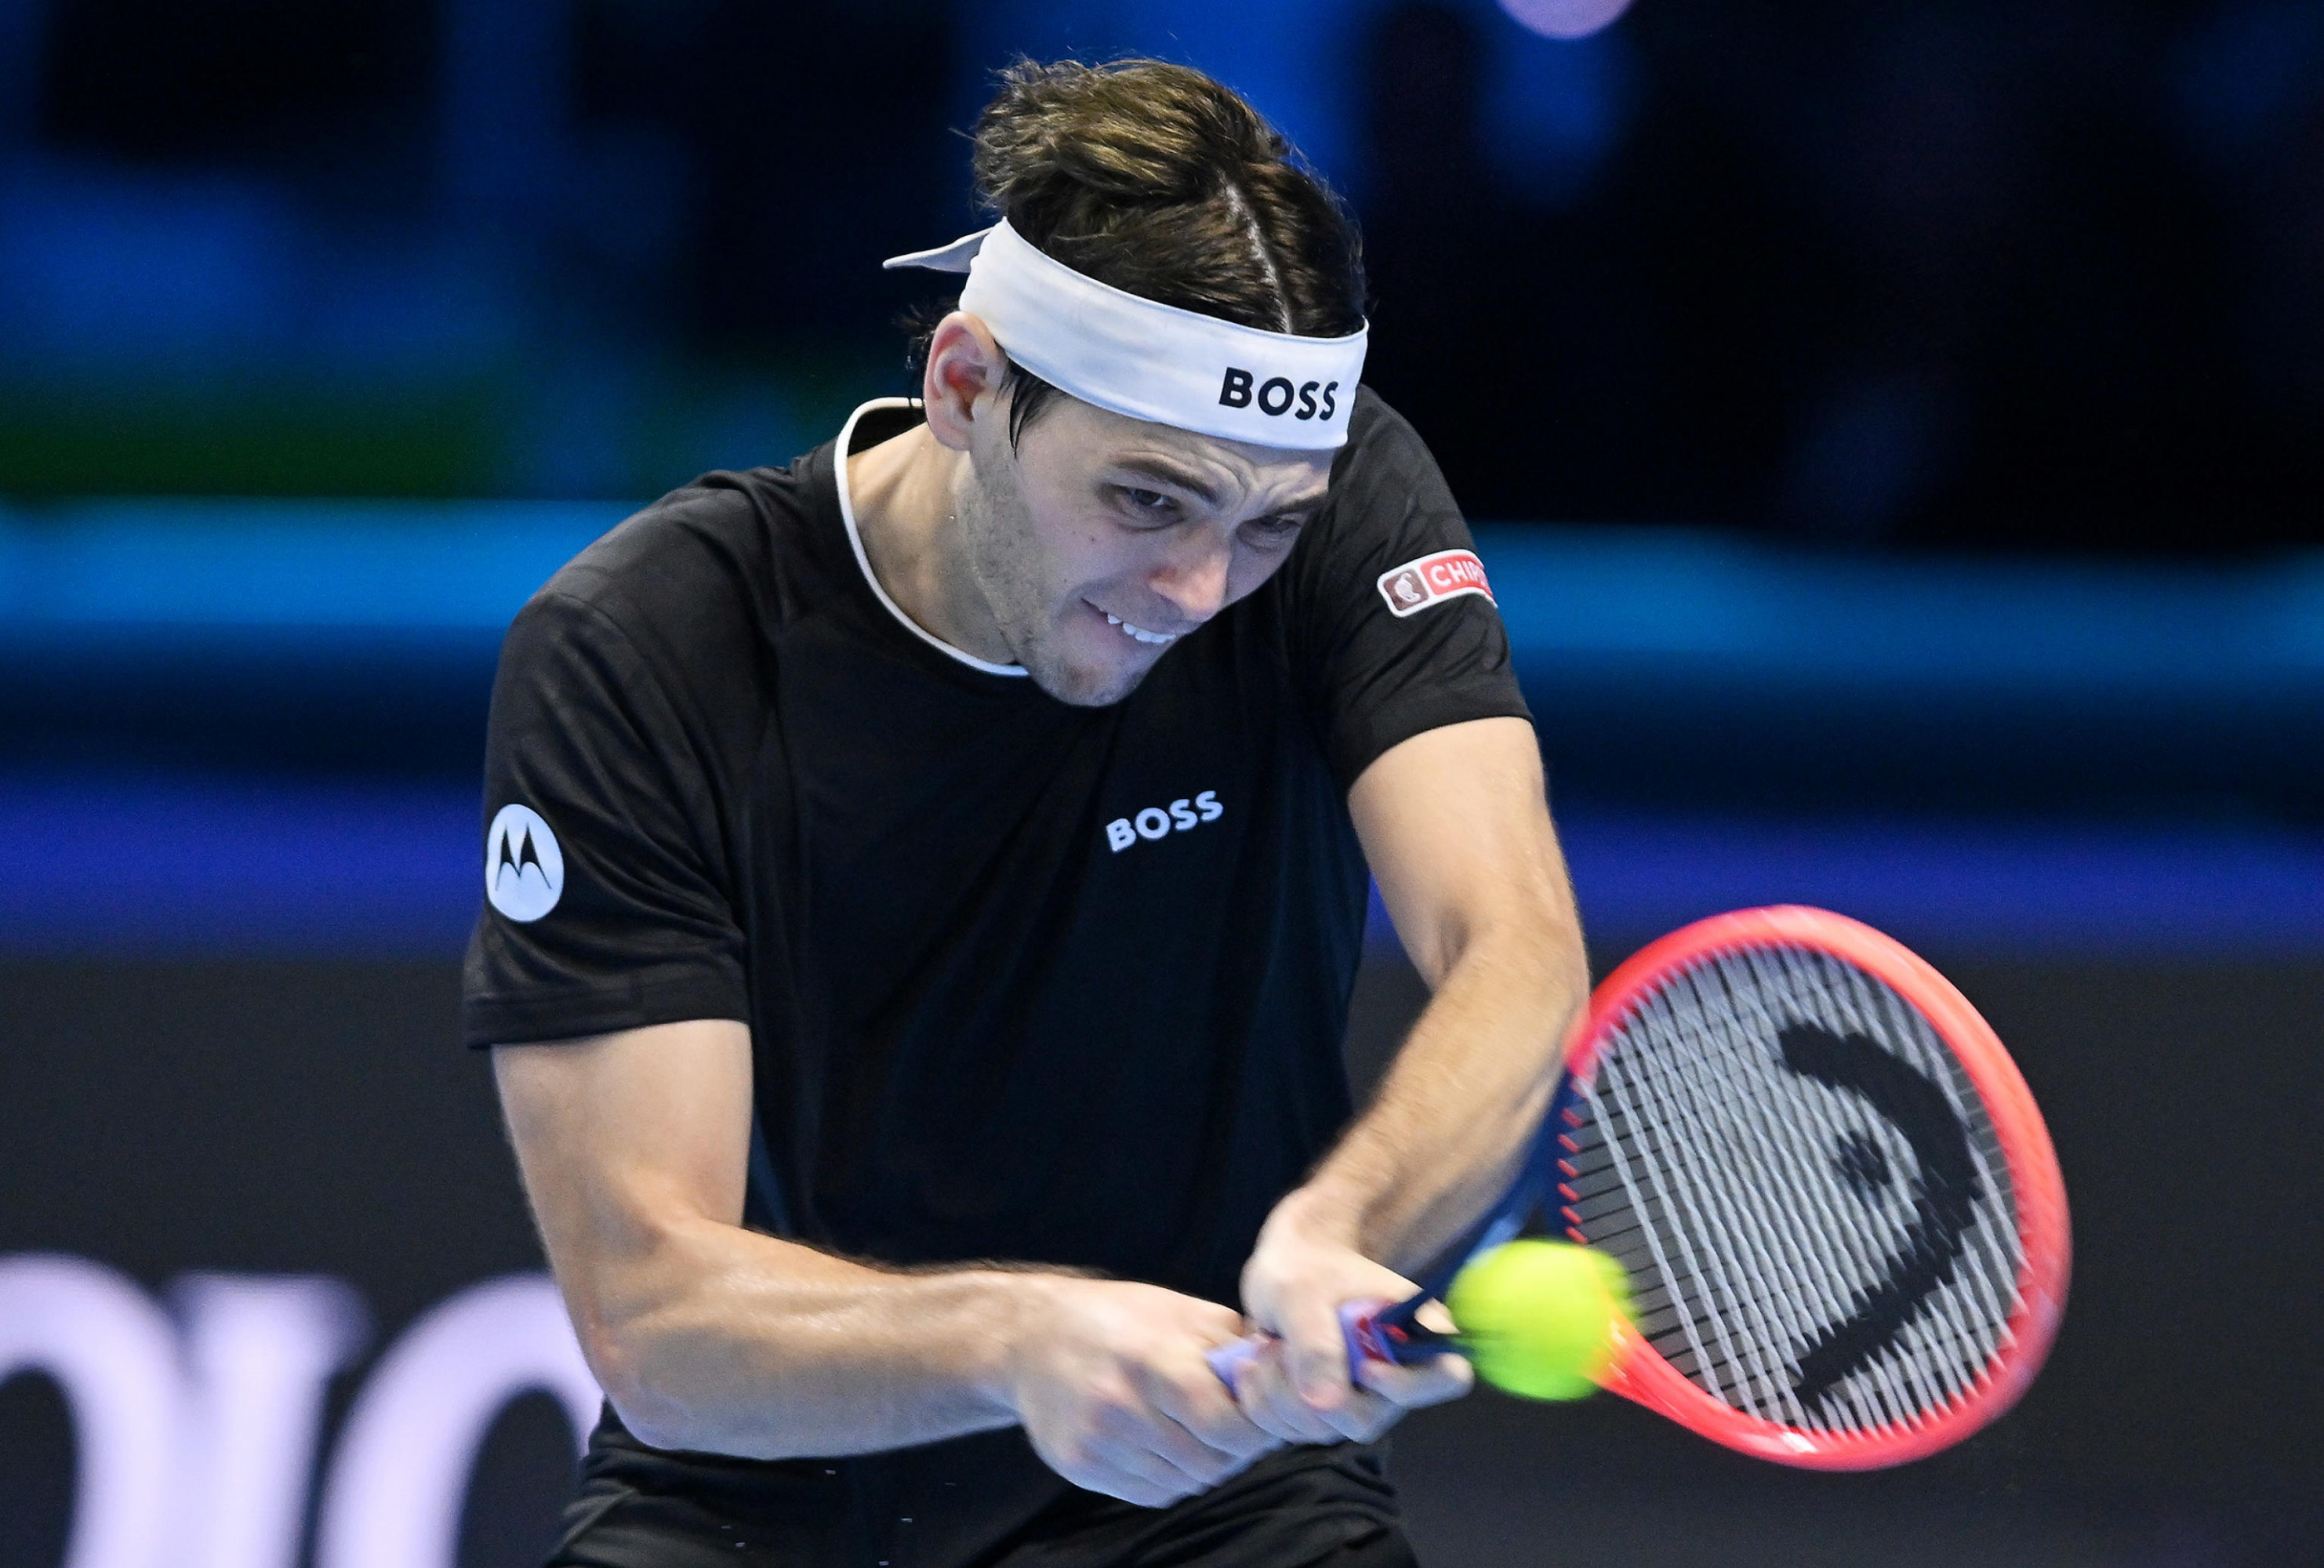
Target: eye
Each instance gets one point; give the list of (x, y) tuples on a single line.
[(1271, 532), (1147, 505)]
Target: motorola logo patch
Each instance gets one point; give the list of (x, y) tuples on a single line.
[(524, 870)]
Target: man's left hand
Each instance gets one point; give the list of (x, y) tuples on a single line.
[(1305, 1268)]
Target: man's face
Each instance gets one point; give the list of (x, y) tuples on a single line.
[(1103, 539)]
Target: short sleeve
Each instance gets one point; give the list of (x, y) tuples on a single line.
[(1392, 618), (605, 902)]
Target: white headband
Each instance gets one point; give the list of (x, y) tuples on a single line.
[(1148, 360)]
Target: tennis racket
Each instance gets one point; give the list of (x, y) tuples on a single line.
[(1842, 1220)]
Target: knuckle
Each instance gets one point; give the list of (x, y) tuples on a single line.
[(1305, 1427), (1322, 1363), (1216, 1320), (1251, 1437), (1172, 1487), (1198, 1458), (1221, 1436), (1272, 1423), (1115, 1422), (1212, 1467), (1196, 1389)]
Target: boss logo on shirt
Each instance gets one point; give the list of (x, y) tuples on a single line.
[(1431, 579), (1159, 822), (524, 870), (1276, 396)]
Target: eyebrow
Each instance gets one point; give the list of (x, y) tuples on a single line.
[(1170, 473)]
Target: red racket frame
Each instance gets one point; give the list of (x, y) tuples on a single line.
[(1640, 1374)]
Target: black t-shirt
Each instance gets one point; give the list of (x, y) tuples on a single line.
[(1025, 981)]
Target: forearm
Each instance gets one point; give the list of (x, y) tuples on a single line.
[(1449, 1125), (712, 1338)]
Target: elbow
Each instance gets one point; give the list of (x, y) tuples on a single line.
[(656, 1424), (622, 1361), (1549, 930), (646, 1412), (647, 1314), (1524, 931), (613, 1362), (1533, 952)]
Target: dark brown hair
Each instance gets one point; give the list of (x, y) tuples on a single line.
[(1157, 180)]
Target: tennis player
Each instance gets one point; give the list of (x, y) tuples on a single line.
[(927, 883)]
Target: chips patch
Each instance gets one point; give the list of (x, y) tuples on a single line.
[(1431, 579)]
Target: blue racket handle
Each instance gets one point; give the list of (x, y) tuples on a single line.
[(1374, 1332)]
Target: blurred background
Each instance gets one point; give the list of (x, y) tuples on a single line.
[(1895, 432)]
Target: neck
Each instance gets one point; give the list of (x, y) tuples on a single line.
[(905, 492)]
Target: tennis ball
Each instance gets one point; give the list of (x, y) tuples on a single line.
[(1539, 1318)]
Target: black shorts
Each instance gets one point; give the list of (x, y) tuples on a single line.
[(985, 1502)]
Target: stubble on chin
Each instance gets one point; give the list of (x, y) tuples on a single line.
[(1041, 650), (1007, 565), (1081, 688)]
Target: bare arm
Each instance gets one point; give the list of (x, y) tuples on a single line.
[(710, 1337), (1456, 826)]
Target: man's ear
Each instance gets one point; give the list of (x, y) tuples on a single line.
[(962, 384)]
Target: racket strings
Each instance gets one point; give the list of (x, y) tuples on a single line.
[(1900, 1385), (1807, 1194), (1890, 1390), (1876, 1012)]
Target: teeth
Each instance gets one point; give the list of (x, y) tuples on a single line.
[(1139, 632)]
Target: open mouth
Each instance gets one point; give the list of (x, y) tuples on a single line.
[(1139, 633)]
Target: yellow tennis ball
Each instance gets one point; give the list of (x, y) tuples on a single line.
[(1539, 1318)]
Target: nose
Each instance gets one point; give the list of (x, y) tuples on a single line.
[(1194, 578)]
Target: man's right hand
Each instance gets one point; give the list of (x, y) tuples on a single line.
[(1110, 1382), (710, 1337)]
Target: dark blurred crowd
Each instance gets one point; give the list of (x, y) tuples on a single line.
[(2007, 272), (2040, 272)]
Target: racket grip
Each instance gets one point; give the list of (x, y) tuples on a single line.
[(1360, 1324)]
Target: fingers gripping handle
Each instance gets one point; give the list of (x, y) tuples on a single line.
[(1373, 1333), (1228, 1360)]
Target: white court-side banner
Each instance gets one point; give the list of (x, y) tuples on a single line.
[(198, 1419)]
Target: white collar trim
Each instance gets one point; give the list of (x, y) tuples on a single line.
[(856, 541)]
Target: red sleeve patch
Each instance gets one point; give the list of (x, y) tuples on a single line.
[(1431, 579)]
